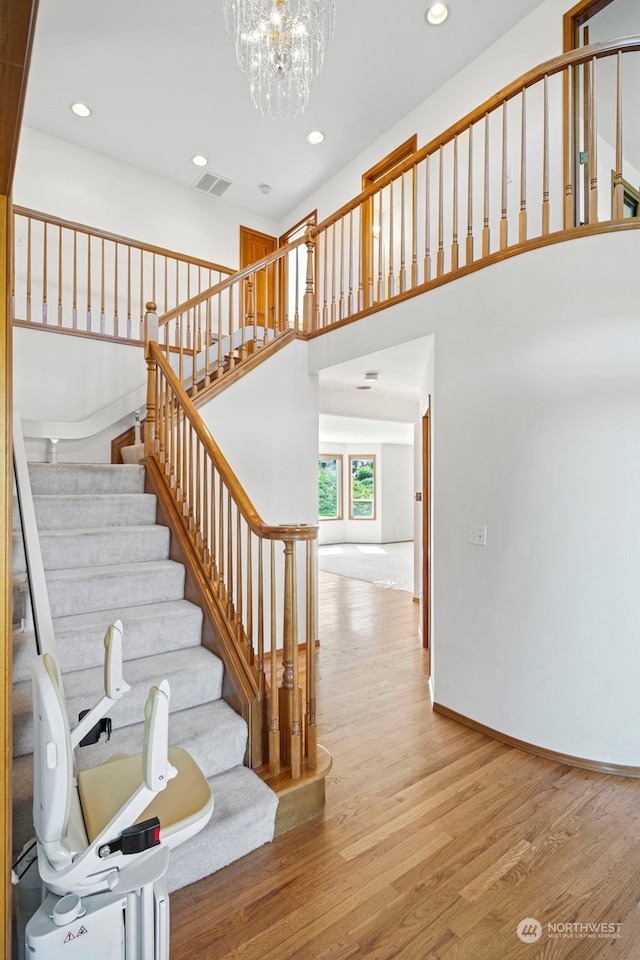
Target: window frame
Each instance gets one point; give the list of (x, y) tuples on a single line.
[(372, 458), (339, 458)]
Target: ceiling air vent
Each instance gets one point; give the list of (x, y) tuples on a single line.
[(211, 183)]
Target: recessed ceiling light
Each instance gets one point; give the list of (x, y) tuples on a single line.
[(81, 109), (199, 160), (437, 14), (315, 136)]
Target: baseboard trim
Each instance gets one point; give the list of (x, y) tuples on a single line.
[(596, 766)]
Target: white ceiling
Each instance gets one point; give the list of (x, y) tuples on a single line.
[(163, 83)]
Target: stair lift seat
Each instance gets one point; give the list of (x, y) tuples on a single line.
[(113, 903)]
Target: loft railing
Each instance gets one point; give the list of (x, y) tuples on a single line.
[(539, 162), (545, 156), (261, 577), (72, 278)]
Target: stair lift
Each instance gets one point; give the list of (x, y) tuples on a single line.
[(103, 835)]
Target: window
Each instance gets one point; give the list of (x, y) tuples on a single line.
[(630, 198), (362, 490), (330, 487)]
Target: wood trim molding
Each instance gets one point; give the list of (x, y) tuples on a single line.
[(597, 766), (574, 18)]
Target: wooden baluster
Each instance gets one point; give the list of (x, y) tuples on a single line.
[(296, 717), (380, 251), (213, 536), (593, 149), (427, 249), (286, 687), (239, 577), (197, 512), (128, 292), (440, 255), (141, 289), (568, 148), (618, 186), (251, 654), (59, 276), (230, 585), (503, 215), (545, 160), (325, 267), (166, 285), (455, 253), (311, 728), (309, 314), (74, 307), (88, 283), (29, 243), (250, 319), (150, 335), (207, 343), (341, 303), (414, 231), (274, 698), (238, 287), (180, 346), (45, 283), (189, 475), (486, 238), (115, 295), (219, 366), (179, 492), (102, 288), (362, 247), (206, 531), (403, 239), (350, 308), (522, 222), (469, 247), (391, 282), (333, 273), (260, 617)]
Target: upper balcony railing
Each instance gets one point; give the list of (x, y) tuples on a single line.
[(555, 154), (76, 279)]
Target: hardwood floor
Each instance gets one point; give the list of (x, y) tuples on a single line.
[(435, 841)]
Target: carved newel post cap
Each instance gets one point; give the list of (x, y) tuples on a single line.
[(151, 307)]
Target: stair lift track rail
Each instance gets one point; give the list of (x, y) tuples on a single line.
[(45, 639)]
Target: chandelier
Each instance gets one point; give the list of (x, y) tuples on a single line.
[(280, 47)]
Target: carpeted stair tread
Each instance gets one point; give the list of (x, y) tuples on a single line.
[(243, 819), (149, 629), (195, 677), (91, 510), (86, 589), (81, 478), (97, 546)]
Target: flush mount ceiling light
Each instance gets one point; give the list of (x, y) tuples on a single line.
[(81, 109), (199, 160), (280, 46), (371, 376), (315, 136), (436, 14)]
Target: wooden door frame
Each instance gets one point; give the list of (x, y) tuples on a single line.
[(426, 525), (376, 172)]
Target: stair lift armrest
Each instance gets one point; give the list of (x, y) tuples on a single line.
[(115, 686), (157, 770)]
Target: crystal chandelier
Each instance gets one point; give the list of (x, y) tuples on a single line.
[(280, 47)]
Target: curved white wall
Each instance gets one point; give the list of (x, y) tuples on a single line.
[(536, 433)]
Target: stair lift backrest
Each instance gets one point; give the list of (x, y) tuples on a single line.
[(52, 760)]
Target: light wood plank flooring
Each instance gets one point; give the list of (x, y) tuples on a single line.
[(435, 841)]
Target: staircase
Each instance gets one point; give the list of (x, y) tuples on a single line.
[(105, 558)]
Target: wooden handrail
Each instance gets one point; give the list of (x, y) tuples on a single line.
[(256, 524), (246, 272), (256, 593), (547, 69), (118, 238)]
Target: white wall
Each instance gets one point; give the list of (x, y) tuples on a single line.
[(59, 178), (536, 411)]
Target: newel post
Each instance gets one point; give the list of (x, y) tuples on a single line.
[(308, 307), (150, 333), (290, 693)]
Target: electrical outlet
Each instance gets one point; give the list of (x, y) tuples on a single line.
[(478, 534)]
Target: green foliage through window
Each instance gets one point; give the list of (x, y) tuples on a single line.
[(329, 493), (362, 487)]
